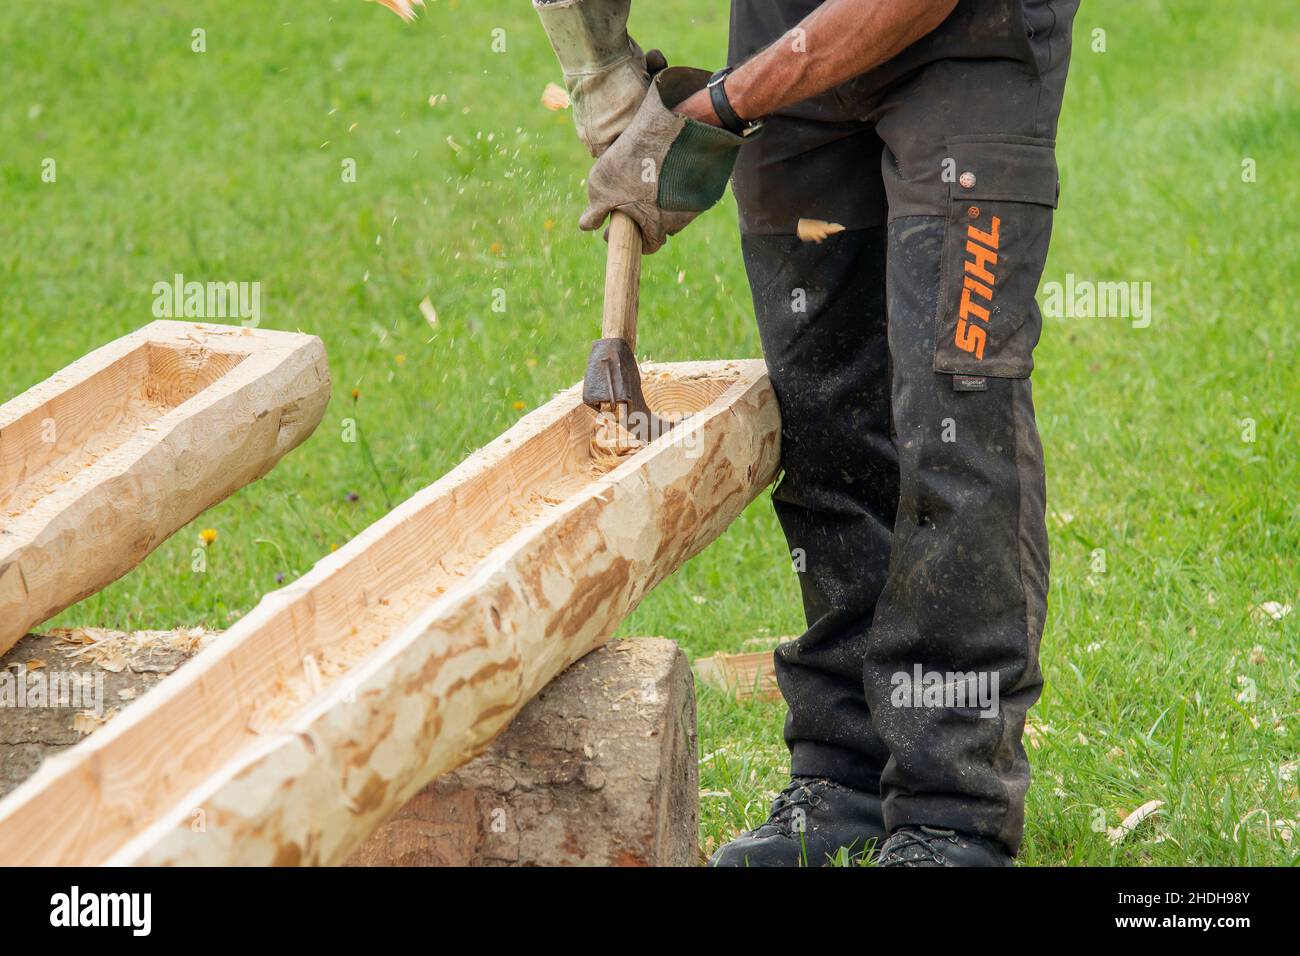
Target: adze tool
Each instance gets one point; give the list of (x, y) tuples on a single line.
[(613, 380)]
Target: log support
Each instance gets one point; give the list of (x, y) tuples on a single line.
[(598, 770)]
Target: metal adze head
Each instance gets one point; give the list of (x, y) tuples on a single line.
[(613, 381)]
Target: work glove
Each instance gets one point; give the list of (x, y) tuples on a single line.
[(605, 72), (665, 169)]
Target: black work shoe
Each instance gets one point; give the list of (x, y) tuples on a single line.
[(930, 846), (812, 819)]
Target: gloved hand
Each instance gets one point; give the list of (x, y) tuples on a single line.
[(665, 169), (605, 72)]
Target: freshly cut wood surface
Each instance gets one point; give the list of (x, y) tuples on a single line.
[(403, 654), (104, 460)]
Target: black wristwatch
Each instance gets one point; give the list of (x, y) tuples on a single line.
[(731, 120)]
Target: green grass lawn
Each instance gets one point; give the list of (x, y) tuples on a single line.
[(1168, 525)]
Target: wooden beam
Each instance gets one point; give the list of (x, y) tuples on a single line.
[(750, 676), (103, 461), (401, 655), (599, 769)]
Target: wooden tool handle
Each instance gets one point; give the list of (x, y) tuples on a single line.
[(622, 279)]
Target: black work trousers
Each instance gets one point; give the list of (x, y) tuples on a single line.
[(900, 350)]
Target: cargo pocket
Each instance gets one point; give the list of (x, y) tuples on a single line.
[(999, 224)]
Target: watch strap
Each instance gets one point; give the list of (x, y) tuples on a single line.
[(731, 120)]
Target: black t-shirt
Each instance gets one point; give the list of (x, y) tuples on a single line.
[(1023, 30)]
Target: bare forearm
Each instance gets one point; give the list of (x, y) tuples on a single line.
[(836, 42)]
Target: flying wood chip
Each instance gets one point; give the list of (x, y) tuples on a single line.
[(429, 312), (403, 8), (554, 97), (815, 230)]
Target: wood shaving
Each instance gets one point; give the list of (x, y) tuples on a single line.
[(1269, 611), (87, 723), (1130, 823), (114, 651), (611, 443)]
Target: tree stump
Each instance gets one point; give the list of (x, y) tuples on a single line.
[(598, 770)]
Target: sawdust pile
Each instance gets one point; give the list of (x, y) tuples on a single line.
[(611, 443)]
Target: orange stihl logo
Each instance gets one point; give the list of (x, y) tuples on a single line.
[(978, 281)]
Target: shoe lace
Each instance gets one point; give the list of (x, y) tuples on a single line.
[(916, 845), (800, 792)]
